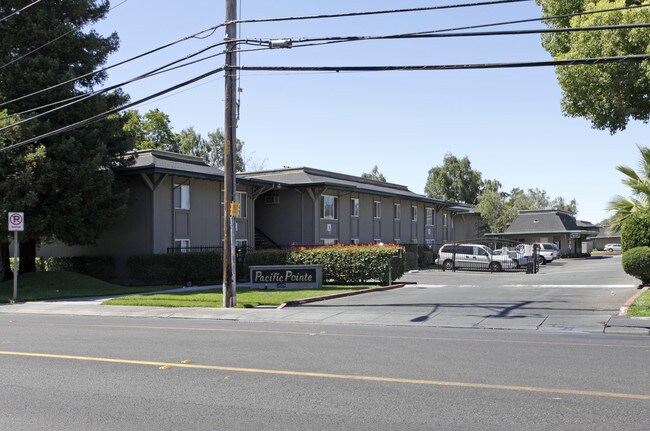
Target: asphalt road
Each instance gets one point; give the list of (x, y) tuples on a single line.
[(107, 373)]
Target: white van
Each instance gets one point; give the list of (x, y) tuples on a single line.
[(475, 256)]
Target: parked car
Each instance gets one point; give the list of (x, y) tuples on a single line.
[(476, 256), (612, 247), (548, 252), (514, 254)]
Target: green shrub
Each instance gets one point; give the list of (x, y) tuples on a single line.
[(196, 268), (352, 264), (636, 262), (102, 267), (635, 231), (412, 260), (266, 257), (425, 256)]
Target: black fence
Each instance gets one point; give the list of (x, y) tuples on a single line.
[(241, 254), (491, 255)]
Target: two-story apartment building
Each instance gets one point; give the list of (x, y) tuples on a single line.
[(177, 203)]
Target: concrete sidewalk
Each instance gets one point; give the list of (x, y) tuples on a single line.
[(587, 322)]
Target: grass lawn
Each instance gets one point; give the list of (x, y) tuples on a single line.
[(640, 307), (246, 298), (41, 286)]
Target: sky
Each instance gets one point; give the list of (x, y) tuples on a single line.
[(508, 122)]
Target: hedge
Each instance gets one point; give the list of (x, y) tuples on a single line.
[(635, 231), (102, 267), (183, 268), (341, 264), (636, 262)]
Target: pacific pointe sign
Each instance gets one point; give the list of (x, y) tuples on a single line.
[(286, 277)]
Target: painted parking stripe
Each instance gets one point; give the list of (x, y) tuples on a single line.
[(167, 365), (577, 286)]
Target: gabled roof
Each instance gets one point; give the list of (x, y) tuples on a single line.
[(546, 222), (165, 162), (310, 177), (543, 221)]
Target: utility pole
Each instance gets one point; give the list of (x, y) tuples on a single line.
[(230, 142)]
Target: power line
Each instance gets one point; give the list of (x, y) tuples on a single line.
[(578, 61), (136, 57), (19, 10), (80, 98), (441, 34), (105, 114), (73, 29), (378, 12)]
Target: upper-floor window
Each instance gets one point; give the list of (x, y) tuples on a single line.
[(354, 207), (397, 211), (182, 196), (430, 215), (329, 207), (444, 219), (376, 209), (414, 213)]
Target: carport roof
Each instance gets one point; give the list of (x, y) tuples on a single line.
[(535, 222)]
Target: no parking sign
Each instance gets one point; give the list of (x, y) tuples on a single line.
[(16, 222)]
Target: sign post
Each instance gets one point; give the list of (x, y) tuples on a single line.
[(16, 224)]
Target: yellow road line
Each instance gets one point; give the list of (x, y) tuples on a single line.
[(339, 376)]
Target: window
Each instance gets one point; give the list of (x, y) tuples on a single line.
[(397, 240), (397, 211), (329, 207), (444, 220), (430, 215), (377, 241), (241, 242), (182, 196), (376, 209), (414, 213), (182, 245), (329, 241), (355, 207), (354, 241)]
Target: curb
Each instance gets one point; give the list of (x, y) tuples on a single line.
[(337, 295), (629, 302)]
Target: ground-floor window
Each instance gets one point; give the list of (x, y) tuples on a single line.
[(329, 241), (182, 245), (354, 241)]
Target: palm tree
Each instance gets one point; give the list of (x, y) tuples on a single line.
[(639, 182)]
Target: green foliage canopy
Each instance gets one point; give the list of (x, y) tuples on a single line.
[(65, 184), (454, 180), (374, 174), (639, 184), (608, 95)]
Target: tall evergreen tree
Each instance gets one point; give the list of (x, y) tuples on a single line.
[(64, 184)]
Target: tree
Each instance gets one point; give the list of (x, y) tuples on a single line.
[(608, 95), (64, 184), (216, 140), (639, 183), (498, 209), (374, 174), (152, 130), (455, 181)]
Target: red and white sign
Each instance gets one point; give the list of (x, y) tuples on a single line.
[(16, 222)]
